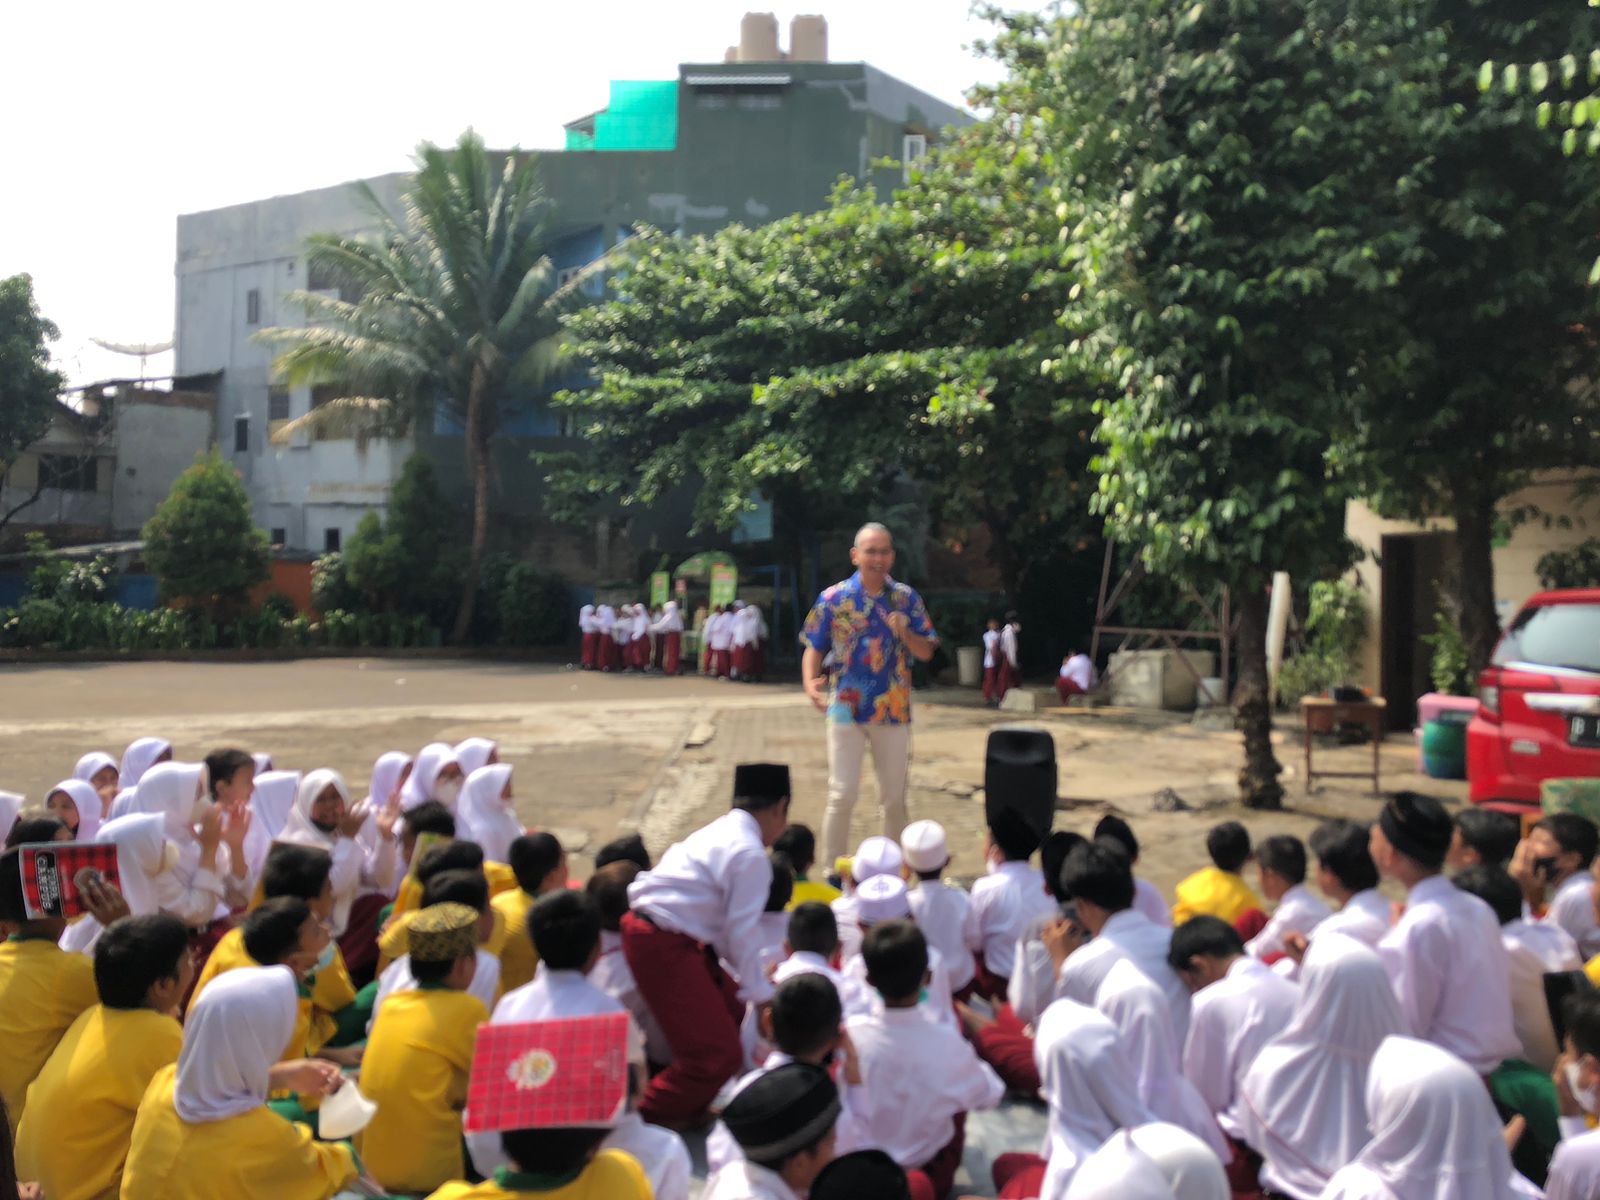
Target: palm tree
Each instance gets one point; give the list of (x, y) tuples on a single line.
[(458, 309)]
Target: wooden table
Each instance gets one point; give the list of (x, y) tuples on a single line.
[(1322, 713)]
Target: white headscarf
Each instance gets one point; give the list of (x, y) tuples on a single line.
[(1435, 1132), (234, 1033), (299, 829), (1140, 1009), (138, 758), (1119, 1170), (169, 790), (432, 759), (1192, 1170), (263, 762), (141, 842), (89, 806), (385, 774), (1304, 1098), (10, 806), (92, 762), (1089, 1083), (484, 817), (474, 753), (270, 804)]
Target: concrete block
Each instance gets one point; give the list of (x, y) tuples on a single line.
[(1019, 700)]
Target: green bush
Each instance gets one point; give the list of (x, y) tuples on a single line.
[(202, 543), (1336, 624), (1450, 666), (279, 607), (1577, 567), (330, 584), (530, 607)]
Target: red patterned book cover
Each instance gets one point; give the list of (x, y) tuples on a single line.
[(549, 1074), (53, 875)]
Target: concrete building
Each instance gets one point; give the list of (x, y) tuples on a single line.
[(762, 135)]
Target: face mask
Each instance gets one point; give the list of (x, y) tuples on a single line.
[(170, 857), (325, 959), (447, 792), (1586, 1097), (202, 806)]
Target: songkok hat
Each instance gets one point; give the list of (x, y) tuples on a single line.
[(1418, 827), (864, 1175), (924, 846), (761, 781), (882, 898), (782, 1111), (875, 856), (443, 933), (571, 1073)]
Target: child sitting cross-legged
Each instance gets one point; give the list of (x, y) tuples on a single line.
[(784, 1123)]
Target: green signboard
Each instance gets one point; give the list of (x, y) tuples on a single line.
[(660, 585), (724, 584)]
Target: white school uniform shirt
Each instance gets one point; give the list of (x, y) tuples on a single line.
[(919, 1075), (856, 999), (612, 975), (1533, 949), (671, 619), (1572, 908), (1298, 912), (1004, 905), (1365, 917), (1450, 973), (1080, 669), (712, 887), (747, 1181), (846, 916), (1008, 644), (1032, 985), (659, 1151), (397, 977), (1126, 934), (1575, 1167), (353, 866), (604, 618), (947, 919), (641, 623), (1229, 1022), (719, 631), (991, 648), (1147, 898), (936, 1004)]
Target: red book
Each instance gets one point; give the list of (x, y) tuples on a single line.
[(53, 874), (549, 1074)]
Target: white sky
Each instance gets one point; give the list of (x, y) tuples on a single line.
[(116, 117)]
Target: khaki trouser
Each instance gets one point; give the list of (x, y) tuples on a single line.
[(891, 759)]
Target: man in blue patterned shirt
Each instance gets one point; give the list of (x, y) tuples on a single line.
[(873, 627)]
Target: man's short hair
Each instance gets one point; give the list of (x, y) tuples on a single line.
[(431, 817), (1114, 827), (451, 856), (782, 889), (800, 844), (552, 1151), (532, 857), (222, 765), (565, 927), (1206, 936), (609, 887), (806, 1014), (1494, 835), (1574, 834), (1228, 844), (272, 932), (1099, 875), (457, 887), (1582, 1012), (628, 848), (297, 871), (813, 929), (1053, 853), (136, 953), (872, 527), (1284, 855), (896, 955), (1495, 888), (1344, 849)]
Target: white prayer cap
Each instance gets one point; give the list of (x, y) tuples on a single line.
[(924, 846), (875, 856), (882, 898)]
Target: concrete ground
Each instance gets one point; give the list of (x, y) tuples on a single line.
[(596, 755)]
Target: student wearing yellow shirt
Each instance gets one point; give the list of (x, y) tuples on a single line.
[(450, 856), (800, 844), (419, 1057), (1218, 890), (74, 1137), (43, 989), (540, 865), (204, 1130)]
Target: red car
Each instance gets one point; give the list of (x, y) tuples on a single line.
[(1539, 702)]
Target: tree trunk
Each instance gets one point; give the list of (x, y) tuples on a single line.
[(1252, 704), (478, 466), (1474, 576)]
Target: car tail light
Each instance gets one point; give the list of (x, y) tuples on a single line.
[(1489, 697)]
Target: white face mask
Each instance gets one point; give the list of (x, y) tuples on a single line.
[(447, 792), (1586, 1097), (325, 959)]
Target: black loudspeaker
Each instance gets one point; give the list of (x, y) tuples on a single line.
[(1019, 777)]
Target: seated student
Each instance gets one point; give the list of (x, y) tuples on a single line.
[(659, 1151), (1033, 978), (43, 989), (1238, 1006), (77, 806), (942, 911), (204, 1130), (628, 848), (922, 1076), (1553, 863), (330, 1000), (1147, 897), (1575, 1169), (99, 770), (609, 887), (881, 899), (1218, 890), (813, 948), (448, 856), (420, 1055), (804, 1024), (488, 811), (784, 1122), (864, 1175), (1008, 901), (1281, 871), (1482, 837), (875, 856), (1435, 1132), (799, 844), (1347, 875), (325, 816), (74, 1137), (540, 865), (451, 887)]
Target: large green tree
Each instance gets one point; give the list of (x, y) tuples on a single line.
[(29, 387), (457, 310)]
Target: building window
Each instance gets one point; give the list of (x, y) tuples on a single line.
[(69, 474), (566, 275), (279, 536), (913, 150), (330, 541), (252, 307), (241, 435), (277, 404)]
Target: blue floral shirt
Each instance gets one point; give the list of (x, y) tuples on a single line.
[(872, 680)]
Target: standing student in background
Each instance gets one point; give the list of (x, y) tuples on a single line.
[(1010, 654), (991, 662)]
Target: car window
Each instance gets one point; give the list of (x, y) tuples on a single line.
[(1561, 635)]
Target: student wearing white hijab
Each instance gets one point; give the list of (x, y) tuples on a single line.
[(323, 817), (10, 806), (669, 639), (99, 770), (588, 643), (212, 874), (1303, 1101), (389, 775), (143, 855), (78, 805), (487, 815), (270, 804), (203, 1128), (434, 776), (141, 754), (476, 752), (1190, 1167), (262, 760), (1119, 1170), (1435, 1133)]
